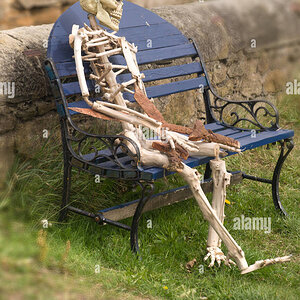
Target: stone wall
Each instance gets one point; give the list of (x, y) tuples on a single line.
[(251, 49), (15, 13)]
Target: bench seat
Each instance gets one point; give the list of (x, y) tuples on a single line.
[(109, 169)]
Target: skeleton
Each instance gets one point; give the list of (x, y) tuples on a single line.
[(108, 12), (98, 46)]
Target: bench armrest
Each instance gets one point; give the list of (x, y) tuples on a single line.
[(260, 115), (84, 146), (94, 149)]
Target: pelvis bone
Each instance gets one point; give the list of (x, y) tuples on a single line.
[(108, 12)]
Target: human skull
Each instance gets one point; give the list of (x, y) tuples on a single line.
[(108, 12)]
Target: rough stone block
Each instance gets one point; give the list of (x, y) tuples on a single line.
[(219, 73), (251, 86)]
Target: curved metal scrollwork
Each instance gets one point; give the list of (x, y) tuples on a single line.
[(255, 114), (245, 115), (96, 149)]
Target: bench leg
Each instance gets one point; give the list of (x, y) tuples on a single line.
[(289, 145), (66, 191), (208, 171), (137, 215)]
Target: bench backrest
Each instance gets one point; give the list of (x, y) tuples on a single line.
[(158, 42)]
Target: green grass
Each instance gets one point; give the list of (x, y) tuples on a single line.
[(46, 268)]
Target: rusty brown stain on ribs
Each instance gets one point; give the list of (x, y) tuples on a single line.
[(91, 113), (175, 155), (201, 133)]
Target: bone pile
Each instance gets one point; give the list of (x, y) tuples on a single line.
[(176, 144)]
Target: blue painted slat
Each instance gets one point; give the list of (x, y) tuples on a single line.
[(240, 134), (59, 50), (152, 92), (170, 88), (62, 52), (227, 131), (143, 57), (142, 33), (104, 162), (108, 164), (175, 87), (68, 69), (81, 104), (158, 55), (164, 73), (230, 132), (133, 15), (264, 138), (168, 53), (160, 42), (133, 34), (214, 126), (73, 88), (78, 104)]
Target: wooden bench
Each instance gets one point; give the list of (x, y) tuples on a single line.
[(139, 26)]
